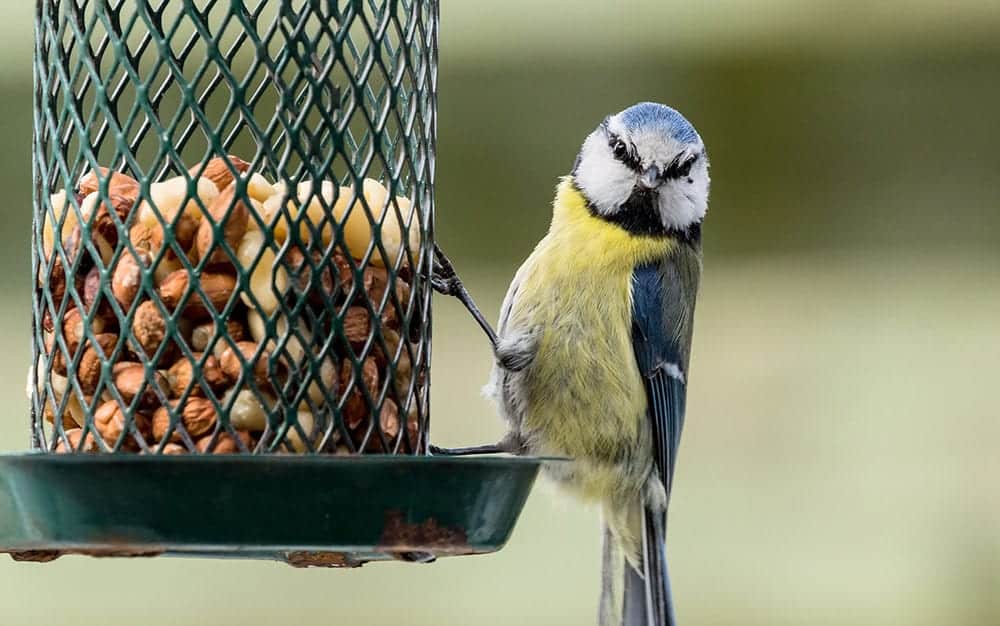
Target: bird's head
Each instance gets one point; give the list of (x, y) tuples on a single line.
[(645, 169)]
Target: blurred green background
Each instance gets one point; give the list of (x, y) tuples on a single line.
[(840, 461)]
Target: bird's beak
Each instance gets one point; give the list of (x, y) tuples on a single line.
[(650, 178)]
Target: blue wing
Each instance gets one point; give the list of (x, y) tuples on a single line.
[(663, 298)]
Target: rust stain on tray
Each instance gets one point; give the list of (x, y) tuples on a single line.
[(399, 535), (35, 556), (321, 559), (47, 556)]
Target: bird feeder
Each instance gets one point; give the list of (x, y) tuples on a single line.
[(232, 252)]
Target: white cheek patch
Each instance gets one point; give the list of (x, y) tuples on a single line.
[(604, 180), (683, 203)]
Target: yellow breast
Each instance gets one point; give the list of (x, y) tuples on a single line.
[(585, 397)]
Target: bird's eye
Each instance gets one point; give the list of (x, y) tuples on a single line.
[(620, 150), (685, 168)]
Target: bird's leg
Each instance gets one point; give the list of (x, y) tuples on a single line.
[(490, 448), (510, 444), (446, 281)]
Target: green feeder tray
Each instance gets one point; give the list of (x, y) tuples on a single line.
[(305, 511)]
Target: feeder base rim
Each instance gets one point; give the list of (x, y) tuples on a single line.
[(307, 511)]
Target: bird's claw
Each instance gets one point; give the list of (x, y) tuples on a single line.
[(444, 280), (446, 285)]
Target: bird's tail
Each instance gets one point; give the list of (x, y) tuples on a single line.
[(636, 592)]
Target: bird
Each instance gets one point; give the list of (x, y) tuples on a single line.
[(594, 341)]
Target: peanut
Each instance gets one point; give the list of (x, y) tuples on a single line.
[(148, 236), (268, 281), (259, 189), (308, 198), (293, 438), (60, 390), (397, 358), (67, 421), (294, 348), (171, 198), (393, 214), (60, 210), (168, 265)]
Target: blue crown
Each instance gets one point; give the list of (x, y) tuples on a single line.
[(650, 114)]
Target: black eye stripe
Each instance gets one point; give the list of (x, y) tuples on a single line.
[(680, 169), (623, 152)]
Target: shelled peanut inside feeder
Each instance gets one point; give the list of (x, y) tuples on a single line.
[(217, 312)]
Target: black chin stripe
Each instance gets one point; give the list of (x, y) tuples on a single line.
[(639, 215)]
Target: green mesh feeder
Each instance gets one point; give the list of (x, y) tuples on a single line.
[(233, 239)]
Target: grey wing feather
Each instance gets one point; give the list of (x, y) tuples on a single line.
[(663, 300), (508, 303), (516, 348)]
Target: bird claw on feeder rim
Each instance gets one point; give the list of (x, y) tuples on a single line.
[(446, 281), (510, 444)]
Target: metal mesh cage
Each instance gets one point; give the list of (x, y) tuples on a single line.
[(233, 225)]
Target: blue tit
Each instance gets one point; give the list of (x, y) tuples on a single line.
[(594, 340)]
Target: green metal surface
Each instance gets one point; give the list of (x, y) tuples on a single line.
[(306, 510), (305, 91)]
